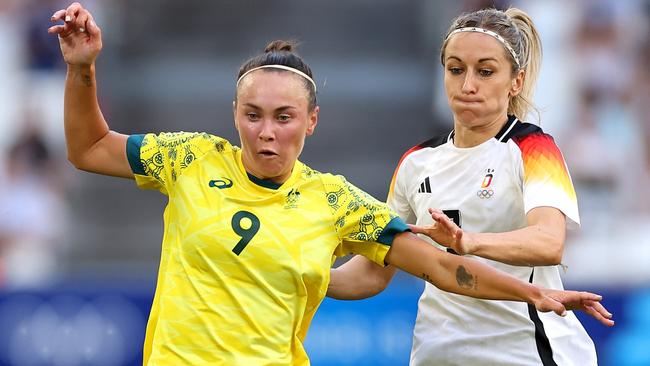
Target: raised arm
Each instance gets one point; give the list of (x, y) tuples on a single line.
[(358, 278), (469, 277), (91, 145)]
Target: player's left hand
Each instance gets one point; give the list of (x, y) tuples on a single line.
[(445, 232), (559, 301)]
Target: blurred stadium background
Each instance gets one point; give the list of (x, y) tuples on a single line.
[(79, 252)]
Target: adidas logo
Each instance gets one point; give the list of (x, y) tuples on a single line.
[(425, 187)]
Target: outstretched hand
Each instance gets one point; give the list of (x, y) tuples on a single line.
[(445, 232), (559, 301), (79, 36)]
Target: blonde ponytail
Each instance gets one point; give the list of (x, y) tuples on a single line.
[(530, 57)]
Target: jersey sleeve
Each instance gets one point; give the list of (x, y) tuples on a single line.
[(157, 161), (363, 224), (397, 194), (546, 178)]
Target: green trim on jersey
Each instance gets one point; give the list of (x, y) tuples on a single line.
[(133, 145), (266, 183), (394, 227)]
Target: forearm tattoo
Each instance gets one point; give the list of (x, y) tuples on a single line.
[(465, 279), (87, 79), (426, 278)]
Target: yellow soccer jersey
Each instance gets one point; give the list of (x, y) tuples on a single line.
[(245, 262)]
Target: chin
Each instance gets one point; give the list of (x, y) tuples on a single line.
[(467, 115)]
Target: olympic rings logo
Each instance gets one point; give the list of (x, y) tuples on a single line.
[(485, 193)]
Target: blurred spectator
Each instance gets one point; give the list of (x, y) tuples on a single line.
[(44, 70), (11, 55), (32, 215), (599, 42), (605, 142), (43, 53), (607, 136), (642, 110)]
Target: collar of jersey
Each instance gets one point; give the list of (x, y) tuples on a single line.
[(265, 183)]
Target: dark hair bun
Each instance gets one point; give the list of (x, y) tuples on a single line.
[(280, 46)]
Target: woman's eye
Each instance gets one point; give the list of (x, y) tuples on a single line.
[(284, 117), (455, 70), (252, 116), (485, 72)]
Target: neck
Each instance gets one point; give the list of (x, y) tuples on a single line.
[(249, 168), (474, 134)]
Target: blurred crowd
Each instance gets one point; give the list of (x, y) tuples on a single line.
[(33, 210), (607, 144)]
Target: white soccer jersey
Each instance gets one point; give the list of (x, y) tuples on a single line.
[(490, 188)]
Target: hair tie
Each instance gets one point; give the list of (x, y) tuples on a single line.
[(490, 33), (287, 68)]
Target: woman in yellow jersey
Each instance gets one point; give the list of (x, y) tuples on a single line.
[(250, 232)]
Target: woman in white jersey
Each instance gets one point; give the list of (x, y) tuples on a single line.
[(505, 184), (250, 232)]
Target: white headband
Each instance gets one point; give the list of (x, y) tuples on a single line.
[(490, 33), (279, 67)]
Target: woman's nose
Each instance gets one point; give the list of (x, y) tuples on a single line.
[(267, 131), (469, 84)]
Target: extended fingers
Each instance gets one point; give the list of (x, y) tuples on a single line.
[(56, 29), (434, 210), (446, 222), (597, 306), (590, 304), (590, 296), (426, 230), (58, 15), (59, 28), (417, 229), (600, 314)]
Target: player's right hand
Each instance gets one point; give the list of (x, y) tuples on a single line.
[(559, 301), (79, 36)]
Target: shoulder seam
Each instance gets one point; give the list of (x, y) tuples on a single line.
[(521, 130)]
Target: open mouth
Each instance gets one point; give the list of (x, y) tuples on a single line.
[(267, 153)]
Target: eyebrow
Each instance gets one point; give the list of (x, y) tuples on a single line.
[(279, 109), (479, 61)]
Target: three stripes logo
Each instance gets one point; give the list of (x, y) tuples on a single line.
[(425, 187)]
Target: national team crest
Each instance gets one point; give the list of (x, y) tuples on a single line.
[(486, 192), (292, 199)]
